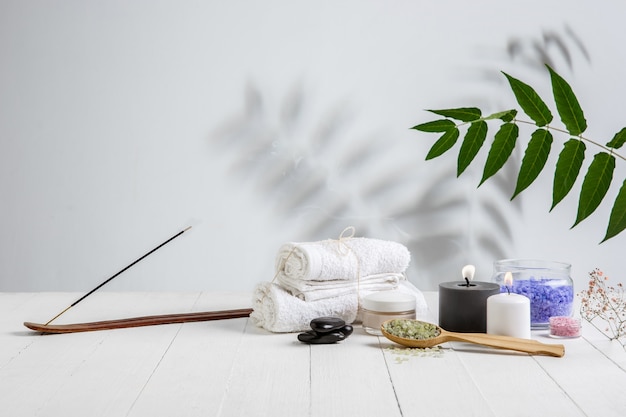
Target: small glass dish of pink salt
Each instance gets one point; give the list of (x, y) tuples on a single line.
[(564, 327)]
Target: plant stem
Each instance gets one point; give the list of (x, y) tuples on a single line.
[(610, 150)]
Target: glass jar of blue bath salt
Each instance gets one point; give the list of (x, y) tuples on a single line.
[(547, 284)]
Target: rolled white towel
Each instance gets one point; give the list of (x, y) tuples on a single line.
[(278, 311), (317, 290), (343, 259)]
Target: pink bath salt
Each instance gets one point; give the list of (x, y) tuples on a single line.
[(564, 326)]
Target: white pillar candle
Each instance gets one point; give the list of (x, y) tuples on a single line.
[(508, 314)]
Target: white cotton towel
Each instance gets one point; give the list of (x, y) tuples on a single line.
[(317, 290), (345, 259), (276, 310)]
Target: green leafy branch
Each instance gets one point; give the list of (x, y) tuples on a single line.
[(598, 177)]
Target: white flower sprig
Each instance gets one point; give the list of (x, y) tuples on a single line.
[(604, 306)]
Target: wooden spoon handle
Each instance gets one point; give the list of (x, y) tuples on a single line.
[(511, 343)]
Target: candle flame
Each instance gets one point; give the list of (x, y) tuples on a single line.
[(468, 272), (508, 279)]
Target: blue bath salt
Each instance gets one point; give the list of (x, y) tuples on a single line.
[(547, 298)]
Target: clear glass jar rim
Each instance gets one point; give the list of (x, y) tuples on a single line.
[(517, 264)]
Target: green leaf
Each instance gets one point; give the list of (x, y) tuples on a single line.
[(442, 125), (617, 220), (534, 159), (473, 141), (567, 169), (595, 185), (501, 149), (530, 101), (444, 143), (618, 140), (505, 116), (567, 105), (464, 114)]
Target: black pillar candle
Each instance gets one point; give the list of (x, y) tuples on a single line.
[(463, 305)]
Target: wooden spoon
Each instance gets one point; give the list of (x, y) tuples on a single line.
[(502, 342)]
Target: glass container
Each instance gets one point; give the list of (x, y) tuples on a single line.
[(564, 327), (547, 284)]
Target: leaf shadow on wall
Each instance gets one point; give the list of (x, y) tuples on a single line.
[(320, 173), (327, 177)]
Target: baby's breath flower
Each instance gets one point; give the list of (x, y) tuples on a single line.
[(606, 304)]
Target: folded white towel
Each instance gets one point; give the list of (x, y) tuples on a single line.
[(345, 259), (317, 290), (276, 310)]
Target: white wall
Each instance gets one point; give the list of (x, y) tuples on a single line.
[(122, 122)]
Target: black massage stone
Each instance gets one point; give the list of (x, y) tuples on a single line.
[(326, 330), (314, 338), (327, 324)]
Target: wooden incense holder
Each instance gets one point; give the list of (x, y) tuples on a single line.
[(138, 321)]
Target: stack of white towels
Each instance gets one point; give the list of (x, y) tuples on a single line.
[(330, 278)]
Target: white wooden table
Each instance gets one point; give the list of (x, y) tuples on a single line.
[(232, 368)]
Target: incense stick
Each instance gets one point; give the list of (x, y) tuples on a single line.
[(118, 273)]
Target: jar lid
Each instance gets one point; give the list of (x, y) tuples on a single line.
[(392, 301)]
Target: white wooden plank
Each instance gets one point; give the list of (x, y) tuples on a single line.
[(511, 381), (231, 368), (223, 300), (75, 374), (591, 379), (196, 366), (612, 349), (15, 308), (432, 385), (350, 378), (38, 375), (193, 372), (271, 376), (9, 301)]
